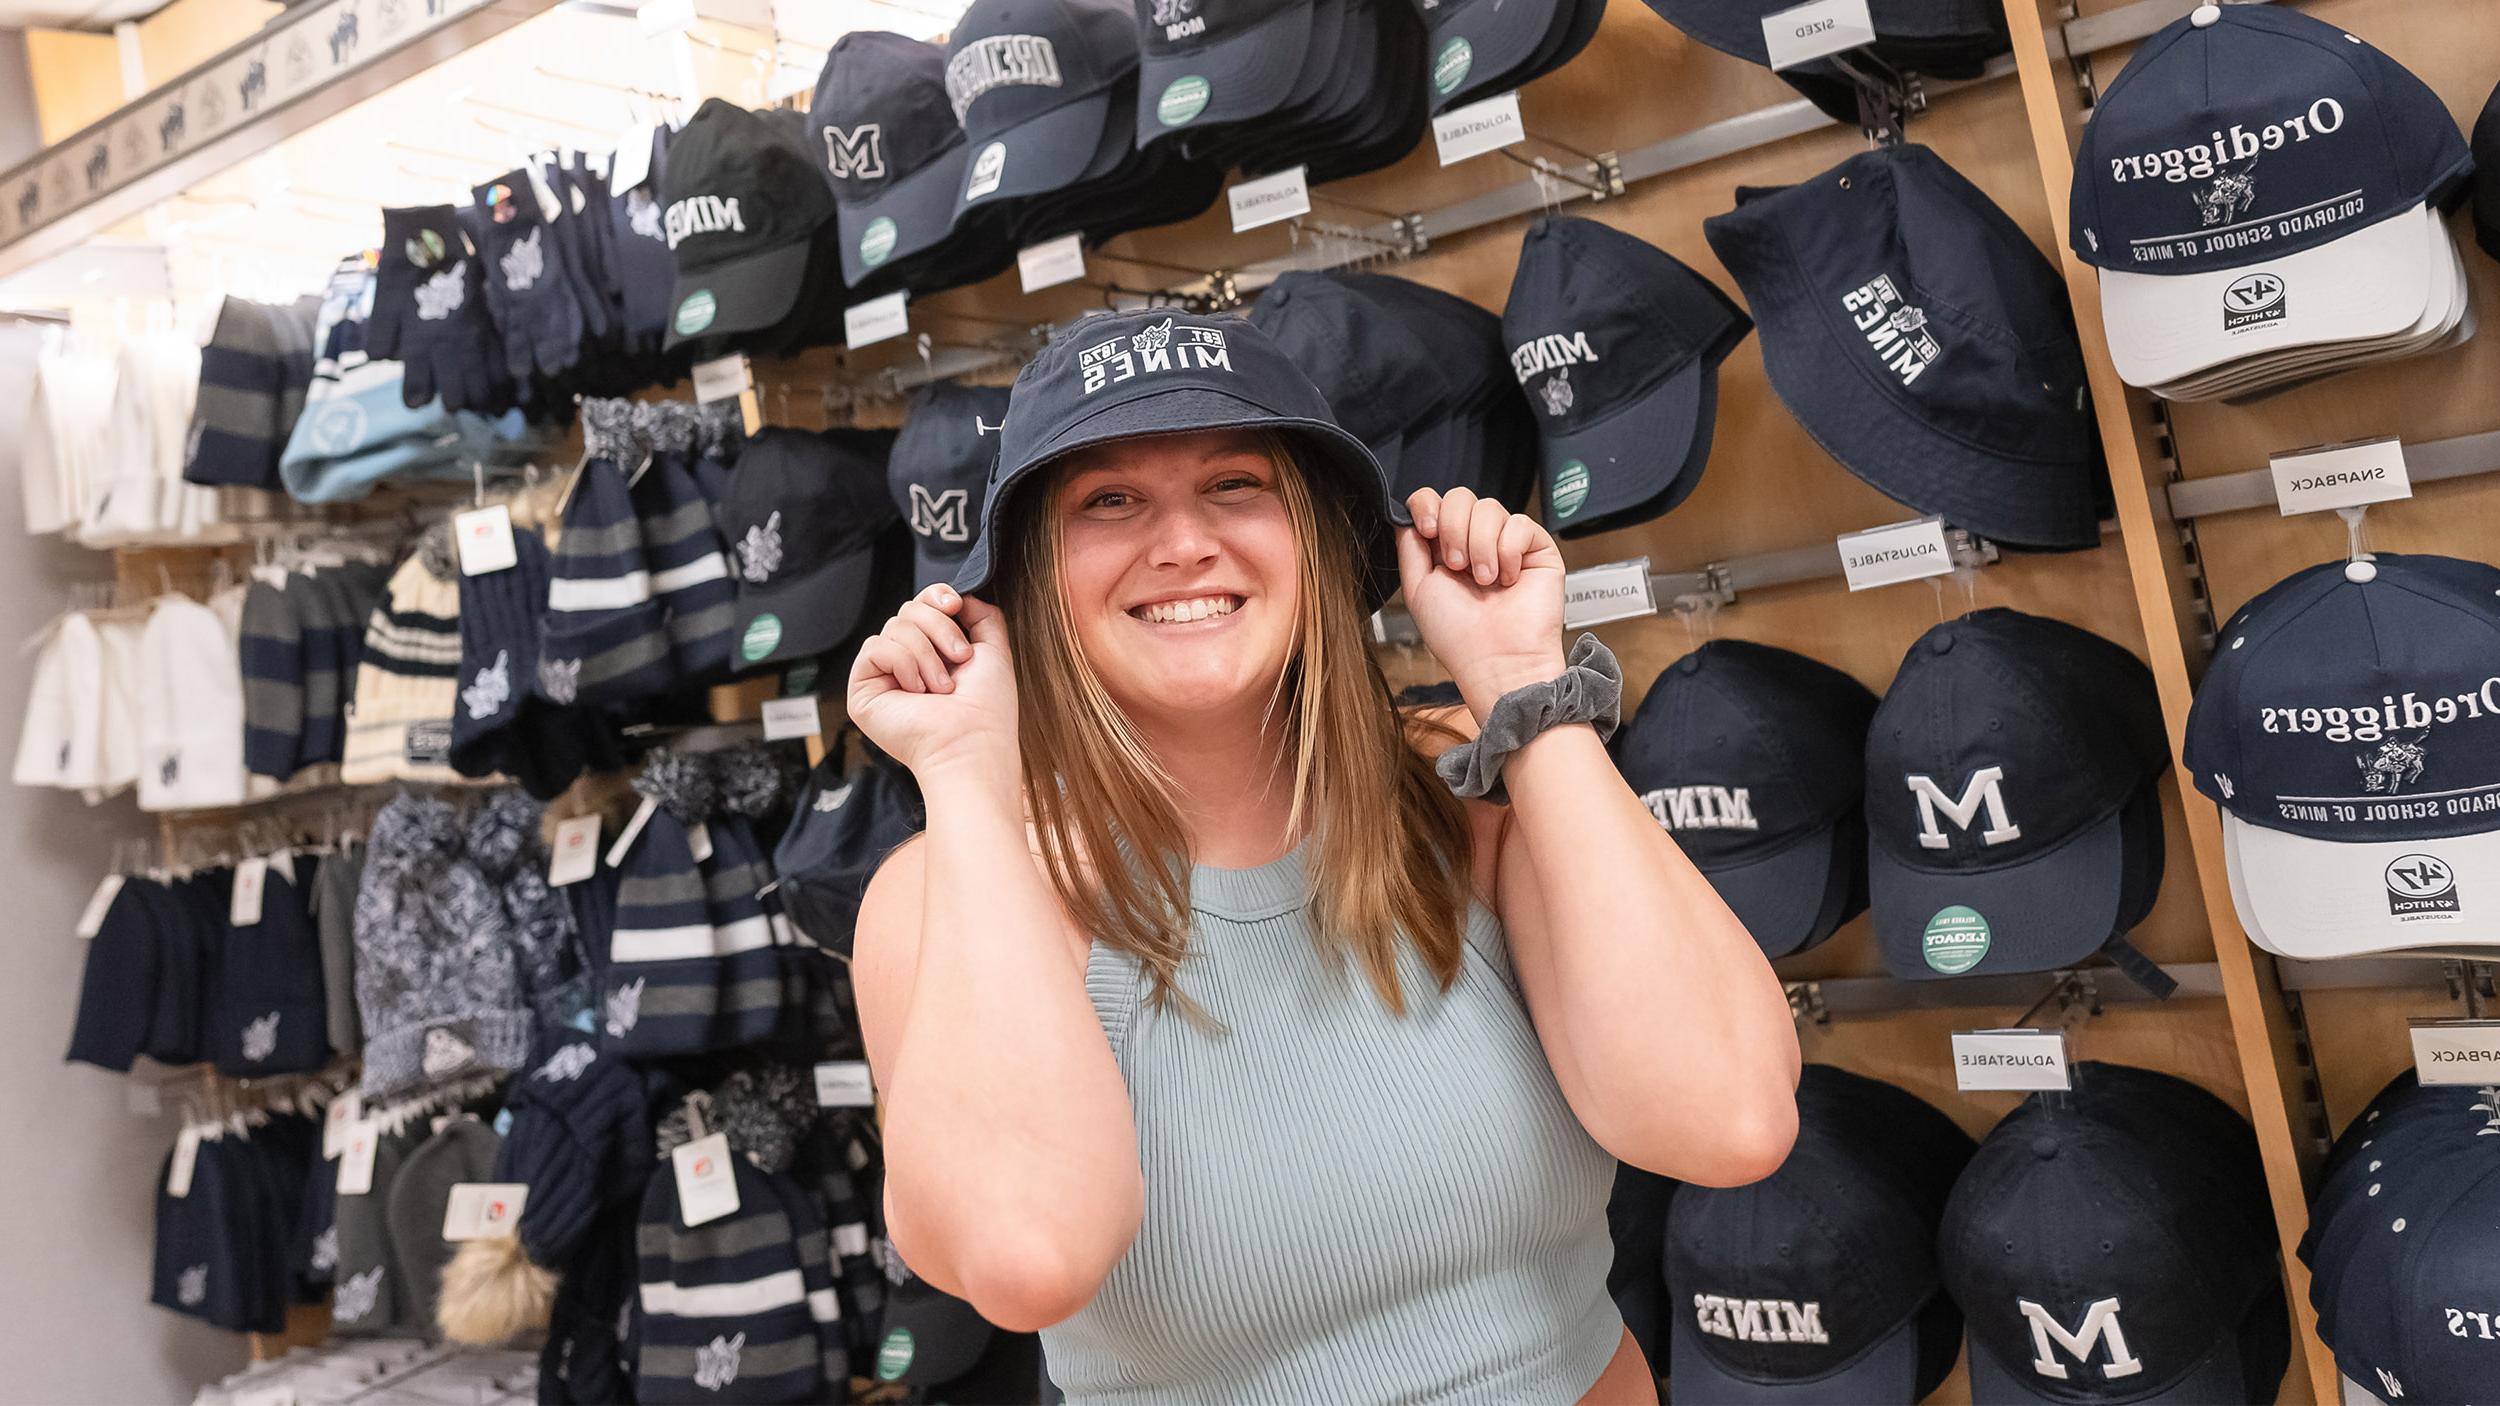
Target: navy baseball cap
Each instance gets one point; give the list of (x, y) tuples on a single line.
[(2486, 150), (802, 517), (738, 208), (1157, 371), (2250, 147), (1617, 346), (2401, 1238), (2013, 821), (1474, 41), (844, 826), (1034, 84), (1494, 445), (939, 472), (892, 148), (1819, 1283), (1917, 333), (1754, 758), (2112, 1243), (2338, 728), (1206, 63)]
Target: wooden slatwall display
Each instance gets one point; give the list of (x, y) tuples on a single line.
[(1769, 486)]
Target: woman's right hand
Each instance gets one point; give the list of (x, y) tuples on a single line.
[(936, 685)]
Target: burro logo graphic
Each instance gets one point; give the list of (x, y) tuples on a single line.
[(2420, 885), (2253, 299), (1896, 330)]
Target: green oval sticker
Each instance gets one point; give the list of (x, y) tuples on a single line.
[(1956, 940), (763, 636), (696, 312), (1570, 488), (894, 1355), (1183, 99), (876, 243), (1449, 67)]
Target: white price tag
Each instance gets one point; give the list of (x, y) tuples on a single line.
[(1051, 263), (864, 324), (722, 378), (1618, 590), (356, 1149), (2010, 1059), (707, 1187), (91, 921), (186, 1156), (785, 718), (633, 831), (1904, 551), (633, 159), (662, 17), (844, 1083), (344, 1112), (2340, 476), (251, 886), (850, 1239), (482, 1210), (2457, 1051), (699, 842), (1270, 198), (1805, 32), (485, 538), (1478, 127), (575, 856)]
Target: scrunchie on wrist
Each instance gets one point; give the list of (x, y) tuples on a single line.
[(1589, 690)]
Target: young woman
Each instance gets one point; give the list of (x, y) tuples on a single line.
[(1220, 1041)]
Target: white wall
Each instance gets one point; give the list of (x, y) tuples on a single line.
[(77, 1169)]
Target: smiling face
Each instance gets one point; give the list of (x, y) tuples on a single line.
[(1179, 570)]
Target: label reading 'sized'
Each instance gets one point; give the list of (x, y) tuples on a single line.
[(864, 324), (2457, 1051), (2340, 476), (1270, 199), (2010, 1059), (1904, 551), (1618, 590), (1803, 33), (1051, 263)]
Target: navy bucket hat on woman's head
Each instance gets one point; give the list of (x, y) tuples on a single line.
[(1160, 371)]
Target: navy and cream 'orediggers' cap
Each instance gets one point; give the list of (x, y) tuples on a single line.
[(1158, 371)]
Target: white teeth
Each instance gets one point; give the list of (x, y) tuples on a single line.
[(1182, 612)]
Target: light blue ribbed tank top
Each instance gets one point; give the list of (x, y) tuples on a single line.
[(1342, 1205)]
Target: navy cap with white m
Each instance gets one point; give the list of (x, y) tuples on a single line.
[(2249, 140), (1160, 371), (2349, 728)]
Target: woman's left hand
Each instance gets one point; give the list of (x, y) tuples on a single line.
[(1485, 586)]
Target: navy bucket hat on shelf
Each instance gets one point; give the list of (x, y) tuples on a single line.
[(1159, 371), (1917, 333)]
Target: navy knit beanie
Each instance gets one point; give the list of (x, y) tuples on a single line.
[(689, 571), (605, 638), (190, 918), (499, 619), (117, 993), (578, 1120), (270, 1014), (782, 1341)]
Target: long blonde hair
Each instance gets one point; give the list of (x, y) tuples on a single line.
[(1093, 788)]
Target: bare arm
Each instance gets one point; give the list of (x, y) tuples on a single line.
[(1012, 1176), (1666, 1028)]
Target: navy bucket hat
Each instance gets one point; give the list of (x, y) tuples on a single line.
[(1160, 371)]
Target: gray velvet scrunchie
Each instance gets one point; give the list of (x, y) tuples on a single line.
[(1590, 690)]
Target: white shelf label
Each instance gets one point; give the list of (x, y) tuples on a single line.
[(186, 1156), (707, 1187), (485, 539), (2340, 476), (878, 319), (1803, 33), (2010, 1059), (722, 378), (1618, 590), (1270, 198), (843, 1083), (481, 1210), (575, 856), (1478, 127), (2457, 1051), (1051, 263), (785, 718), (1904, 551)]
